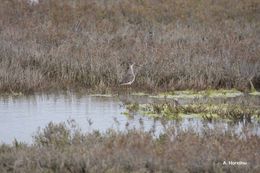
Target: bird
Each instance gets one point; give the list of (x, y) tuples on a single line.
[(129, 77)]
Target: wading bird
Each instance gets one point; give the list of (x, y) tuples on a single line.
[(129, 77)]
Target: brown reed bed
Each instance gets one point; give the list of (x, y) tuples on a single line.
[(61, 148), (86, 44)]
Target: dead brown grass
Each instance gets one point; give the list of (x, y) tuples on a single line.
[(59, 148), (87, 44)]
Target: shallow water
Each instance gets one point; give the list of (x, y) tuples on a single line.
[(20, 117)]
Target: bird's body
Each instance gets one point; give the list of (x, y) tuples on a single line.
[(129, 78)]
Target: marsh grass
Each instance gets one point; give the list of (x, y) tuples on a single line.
[(63, 148), (87, 44), (59, 148)]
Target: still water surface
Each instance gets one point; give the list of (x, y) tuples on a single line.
[(20, 117)]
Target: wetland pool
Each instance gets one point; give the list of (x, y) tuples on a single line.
[(22, 116)]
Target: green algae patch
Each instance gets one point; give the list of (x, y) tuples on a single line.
[(125, 113), (199, 116), (139, 94), (222, 93), (255, 93), (191, 94), (101, 95), (129, 115)]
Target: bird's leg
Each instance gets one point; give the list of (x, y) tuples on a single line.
[(130, 90), (127, 90)]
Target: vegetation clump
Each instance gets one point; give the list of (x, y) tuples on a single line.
[(224, 111), (231, 112), (132, 107), (59, 148)]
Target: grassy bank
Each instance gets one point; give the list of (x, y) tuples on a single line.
[(86, 44), (61, 148)]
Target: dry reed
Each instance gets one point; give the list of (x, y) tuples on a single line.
[(59, 148), (86, 44)]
